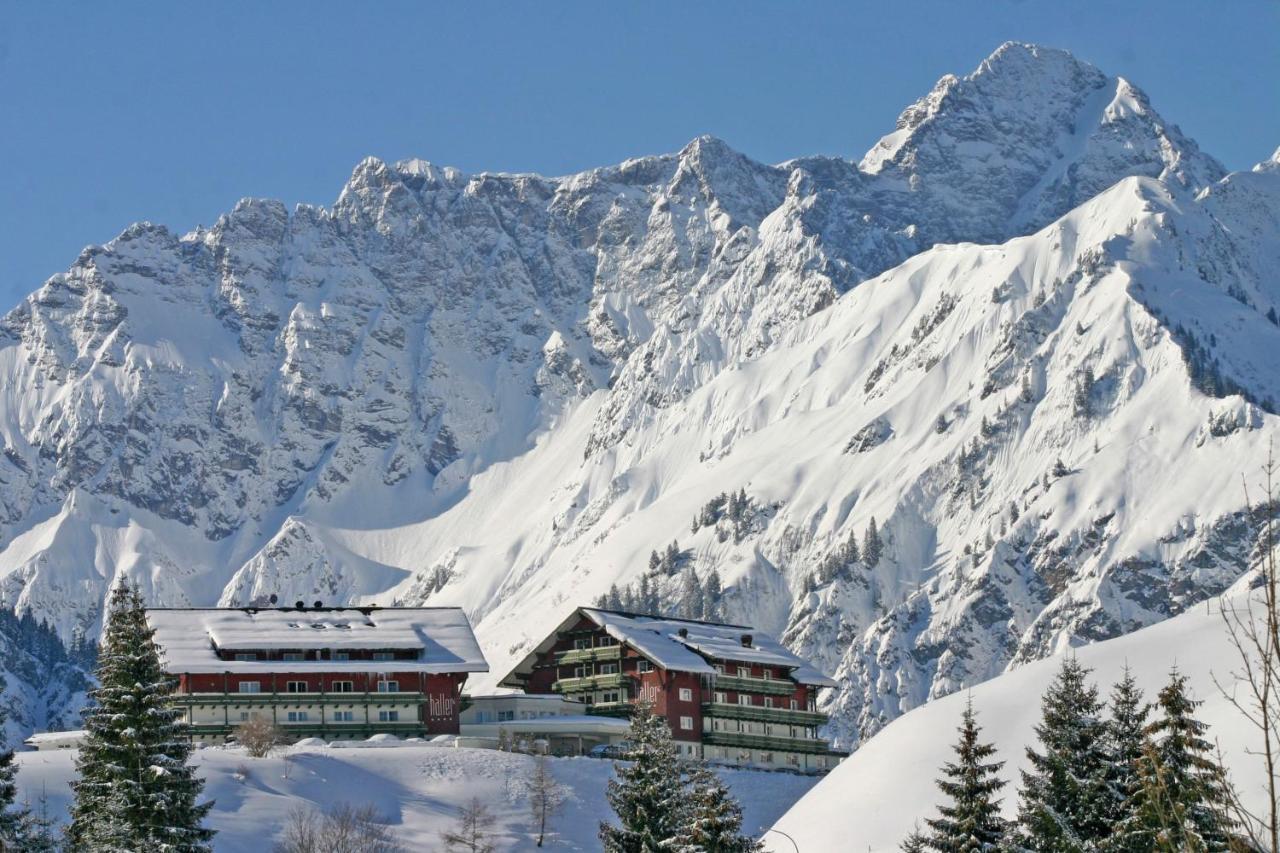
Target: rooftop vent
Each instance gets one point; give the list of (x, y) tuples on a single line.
[(300, 604), (319, 604), (274, 598), (683, 632), (746, 641)]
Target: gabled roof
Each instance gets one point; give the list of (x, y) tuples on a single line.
[(442, 636), (684, 645)]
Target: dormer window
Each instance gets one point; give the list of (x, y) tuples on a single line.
[(246, 656), (293, 656), (384, 656)]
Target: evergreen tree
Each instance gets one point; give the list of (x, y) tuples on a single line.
[(691, 595), (970, 821), (36, 829), (711, 596), (916, 842), (1184, 799), (136, 791), (872, 547), (1064, 793), (1126, 742), (713, 819), (614, 599), (646, 600), (11, 819), (647, 795)]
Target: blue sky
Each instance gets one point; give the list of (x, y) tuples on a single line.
[(116, 112)]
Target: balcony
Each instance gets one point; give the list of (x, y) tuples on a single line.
[(781, 744), (589, 655), (315, 728), (590, 682), (610, 709), (352, 698), (764, 715), (742, 684)]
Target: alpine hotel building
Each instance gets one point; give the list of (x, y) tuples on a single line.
[(730, 694), (327, 672)]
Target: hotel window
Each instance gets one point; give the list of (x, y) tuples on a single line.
[(583, 671), (606, 640), (384, 656), (644, 666), (744, 699), (250, 687), (608, 669), (744, 672), (768, 675), (610, 697), (766, 757), (720, 669), (768, 701), (388, 716), (297, 716), (343, 687), (388, 687), (343, 717), (244, 716), (686, 695), (295, 687), (504, 716), (342, 655), (686, 723), (582, 643), (243, 656), (795, 705), (293, 656), (722, 697)]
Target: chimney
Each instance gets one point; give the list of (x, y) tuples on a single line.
[(274, 598), (319, 604), (300, 604), (683, 632), (746, 641)]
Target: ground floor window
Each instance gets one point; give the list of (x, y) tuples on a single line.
[(388, 716), (343, 716), (686, 723), (298, 716)]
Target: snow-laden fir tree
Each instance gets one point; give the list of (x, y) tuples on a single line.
[(1126, 742), (691, 605), (647, 794), (969, 820), (872, 547), (36, 833), (1064, 799), (713, 819), (1183, 802), (136, 793), (11, 819), (711, 596)]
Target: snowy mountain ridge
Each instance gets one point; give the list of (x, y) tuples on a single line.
[(505, 391)]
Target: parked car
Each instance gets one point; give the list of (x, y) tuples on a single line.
[(610, 750)]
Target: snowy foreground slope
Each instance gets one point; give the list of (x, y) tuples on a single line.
[(875, 797), (417, 789), (1033, 334)]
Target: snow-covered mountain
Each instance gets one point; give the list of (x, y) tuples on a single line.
[(1033, 334)]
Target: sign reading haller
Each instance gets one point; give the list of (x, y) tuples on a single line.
[(329, 672)]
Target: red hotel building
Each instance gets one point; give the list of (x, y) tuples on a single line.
[(729, 693), (329, 672)]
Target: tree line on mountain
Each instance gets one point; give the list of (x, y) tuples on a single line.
[(670, 588), (1117, 776)]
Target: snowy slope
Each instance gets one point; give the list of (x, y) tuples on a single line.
[(875, 798), (504, 391), (416, 789)]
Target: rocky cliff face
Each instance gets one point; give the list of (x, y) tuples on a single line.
[(505, 390)]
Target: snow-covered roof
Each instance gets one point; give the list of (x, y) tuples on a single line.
[(685, 645), (442, 636), (56, 737)]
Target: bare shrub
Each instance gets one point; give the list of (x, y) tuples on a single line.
[(259, 736), (475, 823), (343, 828)]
